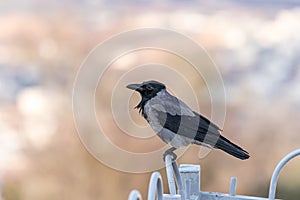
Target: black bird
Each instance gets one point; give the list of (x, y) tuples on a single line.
[(177, 124)]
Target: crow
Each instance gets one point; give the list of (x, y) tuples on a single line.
[(177, 124)]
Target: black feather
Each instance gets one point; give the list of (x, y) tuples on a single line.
[(231, 148), (194, 127), (141, 106), (202, 131)]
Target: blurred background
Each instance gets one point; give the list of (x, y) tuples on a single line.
[(255, 44)]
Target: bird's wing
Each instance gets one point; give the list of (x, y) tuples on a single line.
[(198, 128), (176, 116), (170, 104)]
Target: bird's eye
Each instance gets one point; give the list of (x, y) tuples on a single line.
[(148, 87)]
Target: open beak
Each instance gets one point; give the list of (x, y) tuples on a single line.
[(133, 86)]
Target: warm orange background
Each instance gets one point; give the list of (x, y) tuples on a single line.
[(42, 44)]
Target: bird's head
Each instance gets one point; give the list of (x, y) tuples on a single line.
[(147, 89)]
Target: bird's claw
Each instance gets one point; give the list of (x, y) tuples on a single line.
[(171, 153)]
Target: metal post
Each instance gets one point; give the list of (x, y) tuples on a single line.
[(190, 175), (172, 169), (277, 170), (178, 180), (134, 195), (169, 169), (233, 186)]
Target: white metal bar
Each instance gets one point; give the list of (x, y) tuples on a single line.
[(172, 197), (188, 186), (178, 180), (233, 186), (134, 195), (277, 170), (155, 187), (170, 176), (220, 196)]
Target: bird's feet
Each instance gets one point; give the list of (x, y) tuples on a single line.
[(171, 153)]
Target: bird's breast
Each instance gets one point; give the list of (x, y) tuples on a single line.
[(152, 117)]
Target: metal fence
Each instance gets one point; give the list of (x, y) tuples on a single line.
[(187, 180)]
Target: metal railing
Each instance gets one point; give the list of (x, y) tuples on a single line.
[(155, 187), (187, 179), (172, 175), (135, 194), (278, 169)]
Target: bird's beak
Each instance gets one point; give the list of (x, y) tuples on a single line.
[(133, 86)]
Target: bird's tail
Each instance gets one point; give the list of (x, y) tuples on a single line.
[(231, 148)]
